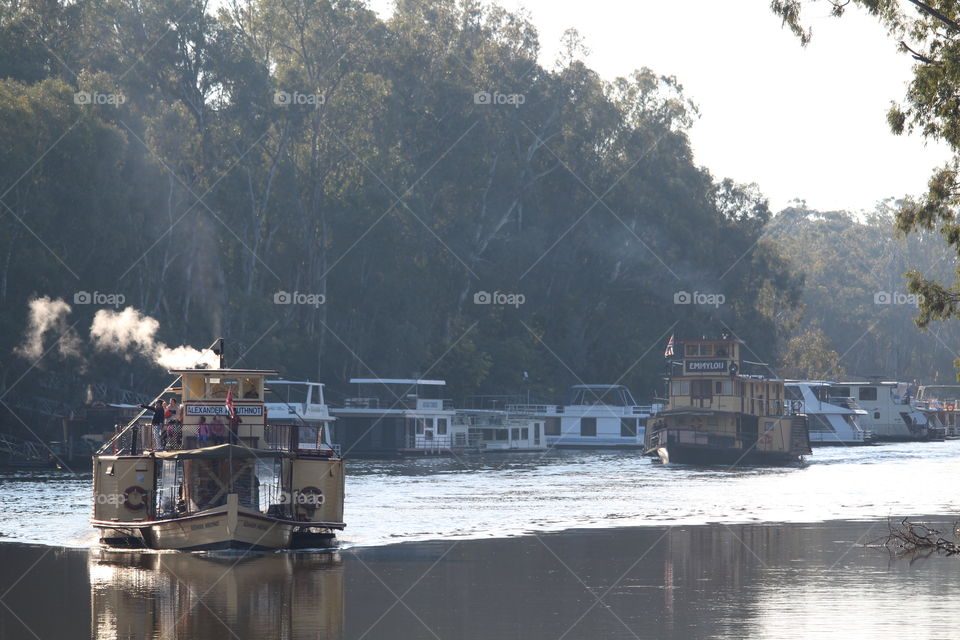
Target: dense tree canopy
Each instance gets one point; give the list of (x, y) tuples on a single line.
[(928, 31), (388, 172)]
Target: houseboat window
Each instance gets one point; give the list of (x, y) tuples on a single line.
[(842, 392), (868, 393), (552, 427), (419, 426), (251, 388), (441, 426), (588, 426), (876, 415), (536, 433), (525, 434), (699, 350), (515, 433), (628, 427), (502, 434), (691, 350)]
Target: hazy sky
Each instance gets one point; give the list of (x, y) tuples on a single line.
[(802, 123)]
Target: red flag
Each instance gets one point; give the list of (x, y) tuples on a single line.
[(229, 403), (668, 352)]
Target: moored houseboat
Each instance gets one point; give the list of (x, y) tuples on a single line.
[(601, 416), (831, 420), (222, 477), (940, 403), (889, 413), (390, 417), (717, 415)]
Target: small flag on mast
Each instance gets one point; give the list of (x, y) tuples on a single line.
[(229, 403), (668, 352)]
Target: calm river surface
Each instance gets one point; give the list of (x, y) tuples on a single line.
[(571, 545)]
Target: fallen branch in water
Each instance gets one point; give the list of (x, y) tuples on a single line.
[(910, 537)]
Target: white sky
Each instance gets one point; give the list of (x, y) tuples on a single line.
[(804, 123)]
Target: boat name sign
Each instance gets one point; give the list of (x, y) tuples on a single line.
[(221, 410), (705, 366)]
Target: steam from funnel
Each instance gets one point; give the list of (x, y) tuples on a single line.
[(127, 332), (48, 315)]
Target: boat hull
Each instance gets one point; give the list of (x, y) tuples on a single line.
[(685, 454), (220, 529)]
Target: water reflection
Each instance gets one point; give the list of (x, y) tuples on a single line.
[(189, 596)]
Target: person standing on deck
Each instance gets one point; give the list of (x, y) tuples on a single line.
[(159, 411)]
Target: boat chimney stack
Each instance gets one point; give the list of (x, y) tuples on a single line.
[(218, 350)]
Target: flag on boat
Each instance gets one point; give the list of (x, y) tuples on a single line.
[(229, 403), (668, 352)]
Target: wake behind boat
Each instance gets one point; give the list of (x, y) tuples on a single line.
[(217, 475)]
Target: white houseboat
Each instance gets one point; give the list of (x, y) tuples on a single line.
[(831, 420), (494, 430), (593, 416), (397, 416), (941, 404), (890, 416)]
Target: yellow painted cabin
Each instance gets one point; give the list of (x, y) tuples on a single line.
[(716, 414)]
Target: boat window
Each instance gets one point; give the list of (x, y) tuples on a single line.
[(442, 426), (842, 392), (628, 427), (701, 389), (515, 433), (681, 388), (252, 388), (793, 393), (502, 434), (218, 387), (868, 393), (536, 433), (525, 434), (588, 426), (551, 427), (420, 424), (876, 415), (193, 387)]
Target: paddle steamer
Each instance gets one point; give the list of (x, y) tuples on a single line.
[(716, 414), (223, 477)]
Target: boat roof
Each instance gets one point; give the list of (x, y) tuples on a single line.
[(885, 383), (598, 386), (410, 381), (281, 381), (262, 372), (222, 451)]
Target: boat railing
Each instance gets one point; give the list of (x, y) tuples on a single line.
[(301, 439), (550, 409)]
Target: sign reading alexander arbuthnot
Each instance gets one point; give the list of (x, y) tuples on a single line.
[(221, 410), (705, 366)]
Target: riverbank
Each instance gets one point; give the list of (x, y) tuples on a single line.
[(797, 580)]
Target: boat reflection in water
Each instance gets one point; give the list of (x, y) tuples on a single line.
[(177, 595)]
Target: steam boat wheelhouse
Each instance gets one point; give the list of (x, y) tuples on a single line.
[(250, 485), (716, 415)]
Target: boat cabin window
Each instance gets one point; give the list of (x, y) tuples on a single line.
[(588, 426), (551, 427), (252, 388), (842, 392), (793, 393), (441, 426), (699, 350), (868, 393), (680, 388), (217, 387), (628, 427), (192, 485), (701, 388), (193, 387)]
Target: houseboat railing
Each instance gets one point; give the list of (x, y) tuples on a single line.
[(559, 409)]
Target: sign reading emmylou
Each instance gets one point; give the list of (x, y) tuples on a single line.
[(221, 410), (705, 366)]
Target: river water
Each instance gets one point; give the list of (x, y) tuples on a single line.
[(569, 545)]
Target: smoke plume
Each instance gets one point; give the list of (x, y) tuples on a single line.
[(128, 332), (47, 316)]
